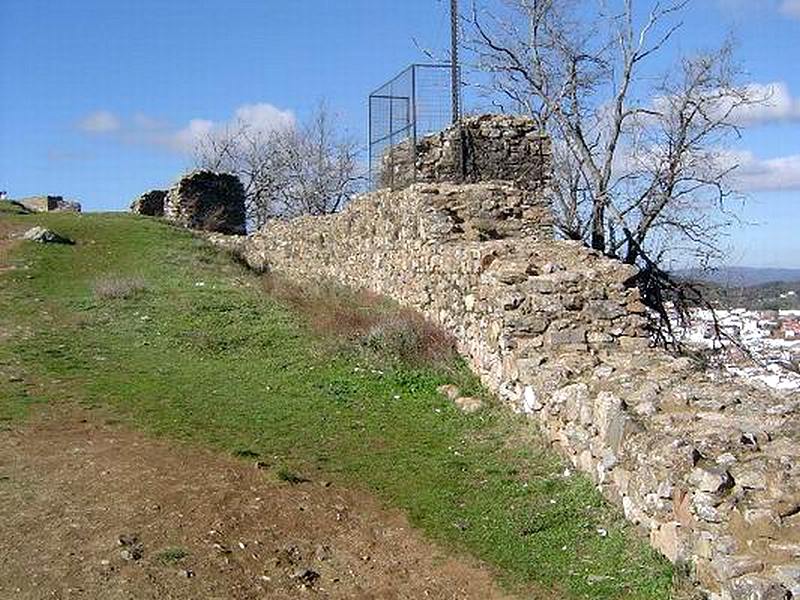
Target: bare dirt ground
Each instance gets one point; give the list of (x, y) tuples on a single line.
[(92, 510)]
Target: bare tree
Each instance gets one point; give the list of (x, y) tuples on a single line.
[(321, 167), (310, 168), (641, 167)]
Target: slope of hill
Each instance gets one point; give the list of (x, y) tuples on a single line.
[(149, 325), (741, 276)]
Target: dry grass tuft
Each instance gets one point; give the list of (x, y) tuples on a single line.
[(118, 288), (365, 319)]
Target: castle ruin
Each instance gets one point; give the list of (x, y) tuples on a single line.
[(708, 467)]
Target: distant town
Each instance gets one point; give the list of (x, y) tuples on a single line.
[(758, 345)]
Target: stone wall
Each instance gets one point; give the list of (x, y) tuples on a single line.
[(207, 201), (709, 467), (492, 147)]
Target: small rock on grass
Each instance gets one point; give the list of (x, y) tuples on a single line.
[(468, 404), (449, 390), (45, 236)]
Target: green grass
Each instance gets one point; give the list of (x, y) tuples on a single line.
[(171, 556), (200, 353), (12, 208)]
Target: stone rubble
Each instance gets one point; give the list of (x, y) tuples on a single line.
[(709, 468)]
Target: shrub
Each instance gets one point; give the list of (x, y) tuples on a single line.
[(407, 336), (116, 288), (367, 320)]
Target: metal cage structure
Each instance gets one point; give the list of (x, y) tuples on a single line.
[(414, 103)]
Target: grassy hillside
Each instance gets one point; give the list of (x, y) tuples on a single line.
[(766, 296), (147, 323)]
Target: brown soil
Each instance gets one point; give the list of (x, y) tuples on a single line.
[(91, 510)]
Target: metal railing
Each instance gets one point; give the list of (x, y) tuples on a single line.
[(411, 105)]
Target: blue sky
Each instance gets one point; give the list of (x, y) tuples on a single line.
[(100, 98)]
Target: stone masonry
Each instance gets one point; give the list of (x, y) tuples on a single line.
[(708, 467), (492, 147), (207, 201)]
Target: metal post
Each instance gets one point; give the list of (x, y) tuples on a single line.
[(454, 75), (455, 87), (390, 162), (372, 182), (414, 123)]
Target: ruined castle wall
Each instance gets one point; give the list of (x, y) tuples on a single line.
[(150, 204), (205, 200), (710, 468), (476, 258), (49, 204)]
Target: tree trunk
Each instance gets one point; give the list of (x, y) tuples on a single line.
[(599, 226)]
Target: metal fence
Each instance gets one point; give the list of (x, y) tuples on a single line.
[(414, 103)]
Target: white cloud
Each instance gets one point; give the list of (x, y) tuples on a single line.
[(101, 121), (791, 8), (769, 103), (144, 129), (261, 117), (184, 139), (778, 104), (264, 117), (755, 174)]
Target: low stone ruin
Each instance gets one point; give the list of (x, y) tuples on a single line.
[(49, 204), (150, 204), (707, 466), (202, 200), (208, 201)]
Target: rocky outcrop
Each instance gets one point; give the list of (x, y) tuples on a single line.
[(208, 201), (150, 204), (49, 204), (707, 466)]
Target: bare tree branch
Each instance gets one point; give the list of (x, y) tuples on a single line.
[(640, 161), (311, 168)]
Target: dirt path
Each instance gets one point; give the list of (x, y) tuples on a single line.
[(70, 489)]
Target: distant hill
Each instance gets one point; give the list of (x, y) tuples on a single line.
[(741, 276)]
